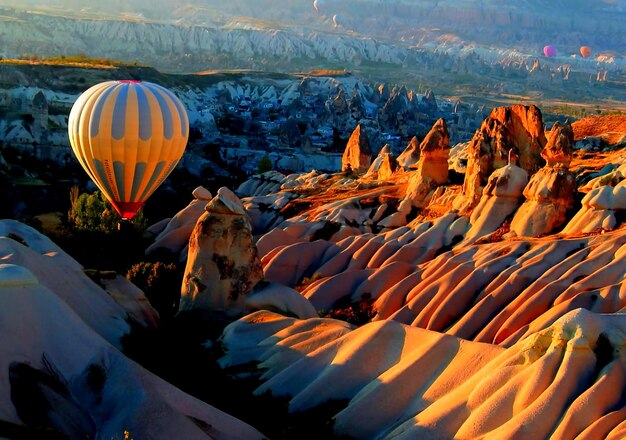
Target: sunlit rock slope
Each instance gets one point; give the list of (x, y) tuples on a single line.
[(565, 381), (498, 315)]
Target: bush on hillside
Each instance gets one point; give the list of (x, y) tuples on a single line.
[(161, 283)]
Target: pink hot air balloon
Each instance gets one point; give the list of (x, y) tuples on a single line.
[(549, 51)]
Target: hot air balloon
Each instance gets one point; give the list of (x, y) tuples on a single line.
[(128, 136), (336, 21), (585, 51), (549, 51)]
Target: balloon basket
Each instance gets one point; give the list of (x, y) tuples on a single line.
[(125, 226)]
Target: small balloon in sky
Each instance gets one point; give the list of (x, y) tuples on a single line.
[(128, 136), (549, 51), (585, 51)]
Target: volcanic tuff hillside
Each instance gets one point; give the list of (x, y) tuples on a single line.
[(469, 327), (196, 33), (465, 321), (483, 59), (486, 22)]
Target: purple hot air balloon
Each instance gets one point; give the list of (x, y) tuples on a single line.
[(549, 51)]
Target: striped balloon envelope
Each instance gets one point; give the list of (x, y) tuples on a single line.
[(128, 136)]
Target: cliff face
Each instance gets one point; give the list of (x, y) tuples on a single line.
[(165, 44)]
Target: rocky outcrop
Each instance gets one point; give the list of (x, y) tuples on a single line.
[(384, 166), (432, 168), (519, 128), (434, 153), (223, 266), (599, 210), (106, 307), (411, 154), (388, 167), (558, 151), (564, 381), (62, 348), (429, 103), (550, 192), (501, 198), (358, 154), (174, 237)]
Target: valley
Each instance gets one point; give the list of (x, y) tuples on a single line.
[(392, 219)]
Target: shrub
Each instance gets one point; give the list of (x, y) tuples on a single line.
[(265, 164), (92, 212), (357, 313), (161, 283)]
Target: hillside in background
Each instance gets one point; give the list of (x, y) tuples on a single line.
[(520, 24), (485, 55)]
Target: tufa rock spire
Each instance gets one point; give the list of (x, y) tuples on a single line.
[(518, 127), (411, 154), (550, 192), (558, 151), (223, 266), (358, 154), (432, 168)]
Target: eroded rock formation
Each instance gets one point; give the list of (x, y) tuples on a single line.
[(501, 198), (174, 237), (223, 266), (432, 168), (564, 381), (358, 154), (550, 192), (411, 154), (384, 166), (519, 127)]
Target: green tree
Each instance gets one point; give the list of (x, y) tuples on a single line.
[(265, 164), (92, 212)]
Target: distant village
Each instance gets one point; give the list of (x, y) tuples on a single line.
[(300, 123)]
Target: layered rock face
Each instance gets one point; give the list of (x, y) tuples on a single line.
[(222, 267), (358, 153), (432, 167), (550, 192), (518, 127)]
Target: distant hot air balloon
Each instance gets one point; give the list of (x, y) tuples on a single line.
[(549, 51), (585, 51), (336, 20), (128, 136)]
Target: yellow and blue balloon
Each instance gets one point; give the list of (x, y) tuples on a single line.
[(128, 136)]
